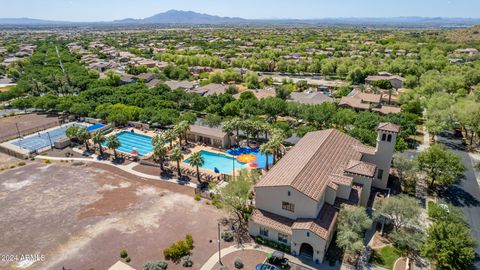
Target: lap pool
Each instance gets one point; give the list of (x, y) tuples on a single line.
[(133, 141), (223, 163)]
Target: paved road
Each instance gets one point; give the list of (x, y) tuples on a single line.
[(466, 193)]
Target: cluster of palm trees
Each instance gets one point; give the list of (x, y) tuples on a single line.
[(83, 135), (174, 153), (252, 129)]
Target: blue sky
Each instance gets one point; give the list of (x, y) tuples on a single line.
[(94, 10)]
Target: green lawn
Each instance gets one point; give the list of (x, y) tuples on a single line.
[(385, 257)]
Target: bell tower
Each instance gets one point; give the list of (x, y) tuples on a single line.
[(386, 139)]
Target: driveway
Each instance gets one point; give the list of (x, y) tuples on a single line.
[(466, 193)]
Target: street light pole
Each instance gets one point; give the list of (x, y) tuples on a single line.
[(233, 162), (219, 249)]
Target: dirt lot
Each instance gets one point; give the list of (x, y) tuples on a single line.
[(25, 122), (80, 216)]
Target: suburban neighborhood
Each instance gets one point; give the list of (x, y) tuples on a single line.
[(186, 140)]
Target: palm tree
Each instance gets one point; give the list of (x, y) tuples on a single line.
[(98, 138), (159, 153), (84, 135), (113, 143), (181, 129), (170, 135), (177, 156), (197, 160), (266, 149)]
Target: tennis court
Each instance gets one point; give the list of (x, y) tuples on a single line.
[(44, 139)]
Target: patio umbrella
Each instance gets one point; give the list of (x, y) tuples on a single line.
[(216, 170)]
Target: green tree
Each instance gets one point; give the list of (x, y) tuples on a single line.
[(450, 246), (84, 135), (266, 149), (343, 117), (274, 107), (440, 165), (408, 241), (159, 153), (177, 156), (352, 223), (113, 143), (98, 138), (235, 197), (400, 211), (197, 161)]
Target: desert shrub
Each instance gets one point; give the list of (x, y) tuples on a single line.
[(189, 241), (197, 197), (238, 263), (272, 244), (227, 236), (47, 161), (223, 267), (156, 265), (187, 261), (128, 259), (123, 253), (22, 163)]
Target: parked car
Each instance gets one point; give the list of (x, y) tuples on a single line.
[(278, 258), (266, 266)]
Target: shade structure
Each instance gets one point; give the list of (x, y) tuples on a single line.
[(247, 158), (134, 152)]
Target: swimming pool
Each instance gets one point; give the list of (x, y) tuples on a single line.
[(44, 139), (95, 127), (223, 163), (130, 141), (261, 158)]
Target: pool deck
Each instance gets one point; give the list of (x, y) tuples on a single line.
[(137, 131)]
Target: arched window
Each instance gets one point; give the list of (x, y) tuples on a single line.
[(384, 137), (389, 138)]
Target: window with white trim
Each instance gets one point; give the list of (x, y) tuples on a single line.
[(263, 231), (282, 238)]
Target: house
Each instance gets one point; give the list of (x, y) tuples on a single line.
[(259, 93), (146, 77), (310, 98), (209, 136), (359, 100), (185, 85), (467, 51), (298, 200), (210, 89), (395, 80)]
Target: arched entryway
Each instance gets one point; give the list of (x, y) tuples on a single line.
[(306, 251)]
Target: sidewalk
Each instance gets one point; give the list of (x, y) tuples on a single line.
[(127, 168)]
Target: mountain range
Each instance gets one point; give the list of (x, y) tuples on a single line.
[(178, 17)]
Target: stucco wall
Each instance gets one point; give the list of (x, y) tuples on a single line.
[(319, 244), (270, 199)]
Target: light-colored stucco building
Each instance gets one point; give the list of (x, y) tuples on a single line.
[(297, 201)]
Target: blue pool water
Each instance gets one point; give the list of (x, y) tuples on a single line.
[(95, 127), (261, 158), (223, 163), (129, 141), (44, 139)]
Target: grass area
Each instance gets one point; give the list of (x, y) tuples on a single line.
[(6, 88), (385, 257)]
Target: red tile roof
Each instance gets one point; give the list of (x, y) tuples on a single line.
[(389, 127), (361, 168), (308, 167), (322, 225), (270, 220)]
